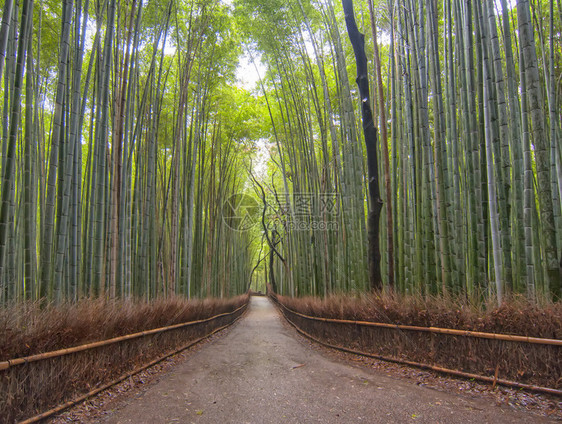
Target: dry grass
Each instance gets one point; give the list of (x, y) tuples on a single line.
[(523, 362), (518, 316), (29, 328), (37, 386)]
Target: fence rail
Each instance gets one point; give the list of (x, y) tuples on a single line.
[(118, 380), (450, 331), (42, 374), (289, 313), (4, 365)]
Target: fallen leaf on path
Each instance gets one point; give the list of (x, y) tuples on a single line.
[(200, 412)]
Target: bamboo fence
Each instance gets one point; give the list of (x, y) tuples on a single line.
[(13, 365), (436, 330), (4, 365), (450, 331), (118, 380)]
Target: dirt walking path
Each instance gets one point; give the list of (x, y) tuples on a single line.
[(260, 373)]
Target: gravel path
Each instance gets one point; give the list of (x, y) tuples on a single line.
[(261, 373)]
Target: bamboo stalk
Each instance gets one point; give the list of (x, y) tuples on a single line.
[(94, 392), (450, 331), (56, 353)]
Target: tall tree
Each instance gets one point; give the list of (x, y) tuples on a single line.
[(384, 150), (370, 133)]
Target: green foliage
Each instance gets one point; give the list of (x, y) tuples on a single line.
[(155, 133)]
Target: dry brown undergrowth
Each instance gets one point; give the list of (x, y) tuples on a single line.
[(28, 328), (522, 362), (517, 316)]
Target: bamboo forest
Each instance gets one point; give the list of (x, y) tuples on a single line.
[(255, 177), (129, 144)]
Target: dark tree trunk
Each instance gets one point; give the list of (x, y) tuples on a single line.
[(271, 271), (370, 132), (384, 150)]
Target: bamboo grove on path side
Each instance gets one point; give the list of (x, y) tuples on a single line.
[(468, 100), (117, 153), (126, 140)]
